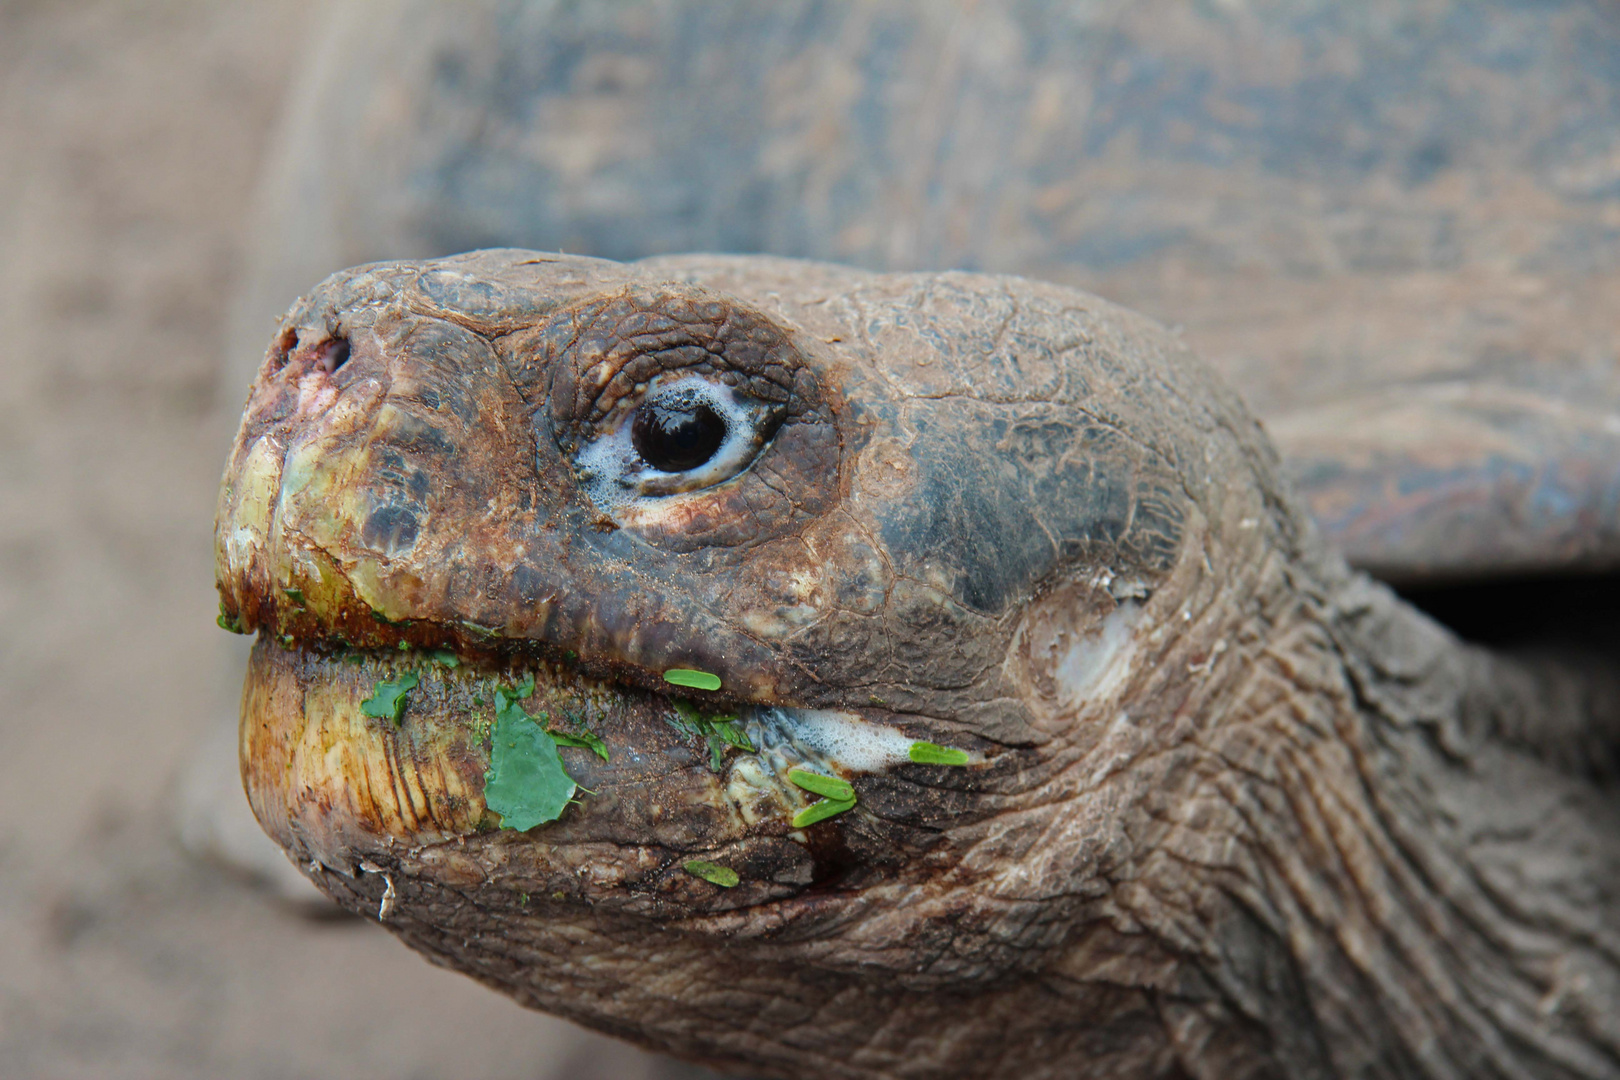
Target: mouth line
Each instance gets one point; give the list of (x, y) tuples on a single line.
[(844, 740), (494, 656)]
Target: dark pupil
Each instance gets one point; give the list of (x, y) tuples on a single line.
[(674, 440)]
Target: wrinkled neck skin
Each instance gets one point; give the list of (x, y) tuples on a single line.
[(1313, 847), (1400, 878)]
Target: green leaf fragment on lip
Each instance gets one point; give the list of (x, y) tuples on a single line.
[(387, 700), (728, 731), (821, 811), (697, 680), (295, 595), (686, 719), (927, 753), (587, 740), (525, 688), (445, 657), (723, 876), (717, 731), (525, 783), (827, 786), (717, 749)]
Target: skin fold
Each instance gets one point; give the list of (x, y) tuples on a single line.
[(1230, 810)]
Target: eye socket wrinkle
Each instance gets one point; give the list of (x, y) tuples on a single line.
[(665, 429)]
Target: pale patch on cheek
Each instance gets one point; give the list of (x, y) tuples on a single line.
[(1096, 665), (1076, 651), (803, 583)]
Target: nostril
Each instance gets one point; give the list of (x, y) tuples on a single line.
[(281, 349), (332, 354)]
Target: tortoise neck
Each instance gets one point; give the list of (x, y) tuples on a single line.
[(1416, 888)]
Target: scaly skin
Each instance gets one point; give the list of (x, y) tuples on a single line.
[(1232, 811)]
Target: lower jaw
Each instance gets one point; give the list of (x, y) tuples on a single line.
[(346, 792), (595, 916)]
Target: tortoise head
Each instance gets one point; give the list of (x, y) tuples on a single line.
[(970, 546)]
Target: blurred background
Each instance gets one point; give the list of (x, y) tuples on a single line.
[(1342, 204), (131, 136)]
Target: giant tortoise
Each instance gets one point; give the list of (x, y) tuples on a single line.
[(911, 669)]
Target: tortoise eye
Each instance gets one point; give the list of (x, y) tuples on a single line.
[(676, 439), (687, 433)]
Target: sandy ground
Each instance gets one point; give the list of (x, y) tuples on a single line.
[(130, 137)]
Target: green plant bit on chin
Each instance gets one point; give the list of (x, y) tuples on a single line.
[(927, 753), (445, 657), (723, 876), (525, 688), (525, 783), (828, 787), (227, 621), (821, 811), (295, 595), (387, 700), (697, 680)]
